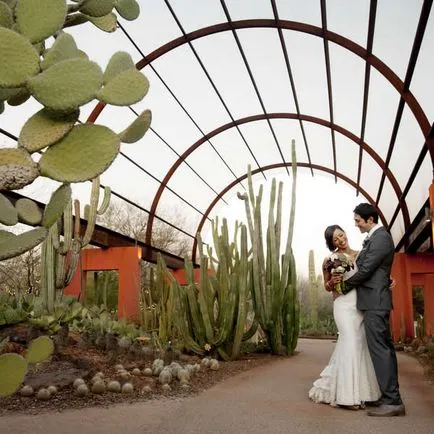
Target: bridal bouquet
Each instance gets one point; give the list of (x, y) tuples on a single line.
[(339, 263)]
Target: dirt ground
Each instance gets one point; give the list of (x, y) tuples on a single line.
[(73, 362)]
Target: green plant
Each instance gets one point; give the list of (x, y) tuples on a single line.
[(313, 291), (211, 315), (274, 276), (13, 367), (56, 271), (62, 79)]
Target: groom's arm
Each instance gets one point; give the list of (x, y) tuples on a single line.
[(379, 248)]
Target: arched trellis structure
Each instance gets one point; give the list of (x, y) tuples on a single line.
[(366, 54), (312, 119), (277, 166)]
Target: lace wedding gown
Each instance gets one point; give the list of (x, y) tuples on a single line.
[(349, 378)]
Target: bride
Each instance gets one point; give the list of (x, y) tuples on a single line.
[(349, 378)]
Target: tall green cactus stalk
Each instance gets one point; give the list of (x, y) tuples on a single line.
[(313, 292), (274, 276), (211, 314), (60, 256), (164, 305)]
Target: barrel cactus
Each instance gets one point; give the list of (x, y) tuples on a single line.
[(39, 58)]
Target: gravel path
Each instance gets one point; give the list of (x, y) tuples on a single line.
[(266, 399)]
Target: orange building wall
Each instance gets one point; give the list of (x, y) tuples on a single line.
[(410, 270), (124, 259)]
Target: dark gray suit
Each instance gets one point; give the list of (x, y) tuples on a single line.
[(374, 263)]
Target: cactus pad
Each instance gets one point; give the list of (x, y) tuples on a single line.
[(17, 169), (6, 18), (107, 23), (86, 152), (20, 97), (5, 235), (58, 202), (18, 58), (40, 349), (13, 369), (64, 48), (8, 213), (67, 85), (39, 19), (43, 129), (28, 212), (126, 88), (119, 62), (137, 129), (21, 243), (97, 8), (128, 9)]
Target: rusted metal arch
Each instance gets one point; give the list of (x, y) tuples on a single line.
[(346, 43), (277, 166), (295, 116)]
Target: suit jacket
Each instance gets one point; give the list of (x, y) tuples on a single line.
[(374, 263)]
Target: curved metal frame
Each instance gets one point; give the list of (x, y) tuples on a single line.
[(254, 118), (277, 166), (344, 42)]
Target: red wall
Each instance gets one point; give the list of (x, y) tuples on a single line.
[(410, 270)]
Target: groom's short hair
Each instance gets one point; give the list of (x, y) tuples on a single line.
[(366, 210)]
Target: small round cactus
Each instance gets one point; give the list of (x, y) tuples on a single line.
[(114, 386), (27, 390), (78, 382), (183, 375), (147, 372), (166, 387), (43, 394), (205, 362), (214, 365), (52, 389), (165, 376), (98, 387), (146, 390), (82, 390), (136, 371), (119, 367), (127, 388)]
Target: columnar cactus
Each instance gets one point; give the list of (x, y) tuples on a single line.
[(211, 315), (313, 291), (274, 276), (59, 257), (62, 79)]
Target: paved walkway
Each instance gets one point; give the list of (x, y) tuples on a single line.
[(267, 399)]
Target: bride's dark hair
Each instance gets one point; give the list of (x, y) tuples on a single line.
[(328, 235)]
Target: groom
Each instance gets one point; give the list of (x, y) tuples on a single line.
[(374, 300)]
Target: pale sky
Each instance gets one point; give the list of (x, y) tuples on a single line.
[(396, 24)]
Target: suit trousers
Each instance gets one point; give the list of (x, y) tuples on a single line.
[(383, 354)]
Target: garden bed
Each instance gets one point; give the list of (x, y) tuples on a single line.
[(73, 362)]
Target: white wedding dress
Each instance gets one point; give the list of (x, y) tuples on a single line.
[(349, 378)]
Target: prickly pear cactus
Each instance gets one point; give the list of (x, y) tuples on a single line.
[(13, 367), (39, 59), (40, 349)]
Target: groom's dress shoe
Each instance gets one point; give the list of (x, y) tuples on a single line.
[(373, 403), (386, 410)]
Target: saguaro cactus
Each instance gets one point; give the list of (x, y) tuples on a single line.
[(274, 276)]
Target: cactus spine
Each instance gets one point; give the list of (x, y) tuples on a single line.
[(274, 277)]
